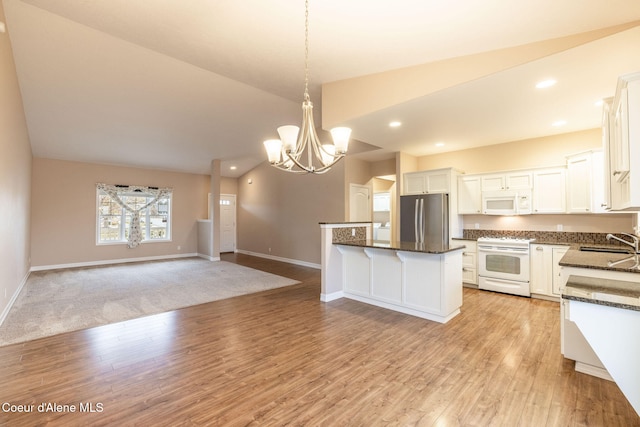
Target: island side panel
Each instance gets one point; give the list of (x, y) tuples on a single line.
[(332, 280)]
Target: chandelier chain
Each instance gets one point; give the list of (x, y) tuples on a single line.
[(306, 50)]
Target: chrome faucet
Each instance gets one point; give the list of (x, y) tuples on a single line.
[(634, 244)]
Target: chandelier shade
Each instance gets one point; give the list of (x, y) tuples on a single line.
[(287, 153)]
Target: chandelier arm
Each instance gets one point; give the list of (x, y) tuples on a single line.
[(309, 169), (304, 171), (326, 168)]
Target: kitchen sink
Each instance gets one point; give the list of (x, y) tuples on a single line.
[(600, 249)]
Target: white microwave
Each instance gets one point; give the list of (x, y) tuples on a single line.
[(506, 202)]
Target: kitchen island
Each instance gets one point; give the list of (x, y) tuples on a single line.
[(601, 317), (417, 279)]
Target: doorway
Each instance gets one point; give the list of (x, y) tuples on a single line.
[(359, 203), (227, 223)]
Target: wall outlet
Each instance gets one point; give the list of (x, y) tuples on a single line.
[(269, 250), (477, 226), (559, 227), (179, 247), (353, 232)]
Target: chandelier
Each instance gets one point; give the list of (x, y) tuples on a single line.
[(287, 152)]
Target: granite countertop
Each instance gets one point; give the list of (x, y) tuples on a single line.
[(612, 293), (625, 262), (403, 246)]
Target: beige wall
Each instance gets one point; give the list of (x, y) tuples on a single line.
[(228, 185), (281, 211), (384, 167), (63, 221), (15, 179)]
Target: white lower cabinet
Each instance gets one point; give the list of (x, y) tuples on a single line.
[(558, 279), (546, 274), (469, 261), (427, 285)]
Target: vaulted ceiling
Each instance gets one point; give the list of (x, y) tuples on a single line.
[(172, 85)]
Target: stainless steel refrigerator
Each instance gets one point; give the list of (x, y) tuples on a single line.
[(424, 218)]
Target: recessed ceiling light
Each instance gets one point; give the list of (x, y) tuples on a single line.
[(559, 123), (546, 83), (440, 144), (599, 103), (233, 168), (395, 124)]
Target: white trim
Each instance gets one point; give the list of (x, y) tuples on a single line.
[(332, 296), (405, 310), (277, 258), (208, 258), (13, 299), (593, 371), (110, 261)]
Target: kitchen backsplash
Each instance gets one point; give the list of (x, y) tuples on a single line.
[(544, 236), (344, 234)]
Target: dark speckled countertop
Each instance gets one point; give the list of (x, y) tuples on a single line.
[(625, 262), (404, 246), (613, 293)]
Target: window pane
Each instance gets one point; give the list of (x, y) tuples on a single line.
[(159, 220), (108, 206), (158, 227), (110, 228)]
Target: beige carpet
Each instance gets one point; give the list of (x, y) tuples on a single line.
[(57, 301)]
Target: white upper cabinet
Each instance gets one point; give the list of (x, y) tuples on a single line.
[(549, 195), (585, 183), (434, 181), (622, 142), (469, 194), (507, 181)]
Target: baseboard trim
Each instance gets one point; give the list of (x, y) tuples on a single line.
[(277, 258), (593, 371), (209, 258), (14, 297), (110, 261), (332, 296)]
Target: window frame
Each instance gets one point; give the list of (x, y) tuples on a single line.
[(144, 216)]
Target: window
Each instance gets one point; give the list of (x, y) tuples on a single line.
[(114, 222)]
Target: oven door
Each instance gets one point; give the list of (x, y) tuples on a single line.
[(503, 263)]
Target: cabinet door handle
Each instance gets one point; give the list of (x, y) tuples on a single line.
[(539, 248)]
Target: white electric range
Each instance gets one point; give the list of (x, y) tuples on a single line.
[(503, 265)]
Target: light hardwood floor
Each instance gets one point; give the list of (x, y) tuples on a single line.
[(282, 357)]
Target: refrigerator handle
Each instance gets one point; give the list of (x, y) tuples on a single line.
[(422, 221), (415, 221)]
